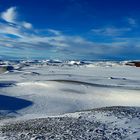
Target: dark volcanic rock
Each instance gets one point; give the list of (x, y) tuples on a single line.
[(134, 63)]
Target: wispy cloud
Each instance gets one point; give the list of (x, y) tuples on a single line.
[(131, 21), (110, 31), (20, 34), (55, 32), (11, 16)]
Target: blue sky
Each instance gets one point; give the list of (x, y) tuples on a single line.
[(70, 29)]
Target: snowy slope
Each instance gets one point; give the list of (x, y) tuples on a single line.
[(57, 89), (50, 88), (114, 123)]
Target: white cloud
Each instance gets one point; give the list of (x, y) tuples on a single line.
[(6, 29), (27, 25), (54, 41), (10, 15)]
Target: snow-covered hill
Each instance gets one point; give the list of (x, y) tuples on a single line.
[(38, 89)]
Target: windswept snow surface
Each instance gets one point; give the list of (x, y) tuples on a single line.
[(35, 89)]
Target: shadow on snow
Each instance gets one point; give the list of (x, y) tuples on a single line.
[(6, 84), (13, 103)]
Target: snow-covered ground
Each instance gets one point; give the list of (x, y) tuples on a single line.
[(37, 89), (111, 123)]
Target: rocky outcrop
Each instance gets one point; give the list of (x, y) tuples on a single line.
[(134, 63)]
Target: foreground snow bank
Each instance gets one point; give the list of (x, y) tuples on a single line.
[(109, 123)]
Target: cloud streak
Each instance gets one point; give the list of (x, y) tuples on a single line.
[(111, 31)]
